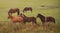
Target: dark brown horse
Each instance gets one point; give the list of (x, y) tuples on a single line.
[(27, 9), (13, 11), (29, 19), (46, 19)]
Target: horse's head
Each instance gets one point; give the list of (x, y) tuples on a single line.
[(10, 17), (38, 15)]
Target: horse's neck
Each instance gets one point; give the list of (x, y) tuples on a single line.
[(42, 17), (26, 17)]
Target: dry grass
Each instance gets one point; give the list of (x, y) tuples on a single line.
[(9, 27)]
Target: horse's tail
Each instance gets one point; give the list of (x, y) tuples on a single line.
[(54, 20), (31, 9)]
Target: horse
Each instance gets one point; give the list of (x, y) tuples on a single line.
[(27, 9), (13, 11), (46, 19), (28, 19), (15, 19)]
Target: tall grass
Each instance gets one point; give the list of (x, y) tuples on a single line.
[(9, 27)]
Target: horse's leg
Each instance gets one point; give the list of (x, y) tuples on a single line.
[(54, 21), (24, 25), (18, 12), (24, 22), (16, 28), (34, 22), (23, 11), (43, 25)]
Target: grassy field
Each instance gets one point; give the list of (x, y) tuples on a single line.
[(6, 26)]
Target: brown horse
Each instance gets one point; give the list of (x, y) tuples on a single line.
[(46, 19), (27, 9), (13, 11), (28, 19), (15, 19)]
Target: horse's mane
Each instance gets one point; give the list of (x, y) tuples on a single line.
[(23, 15), (40, 15)]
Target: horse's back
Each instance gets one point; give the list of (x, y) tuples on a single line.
[(32, 18), (17, 18), (51, 19), (28, 8)]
